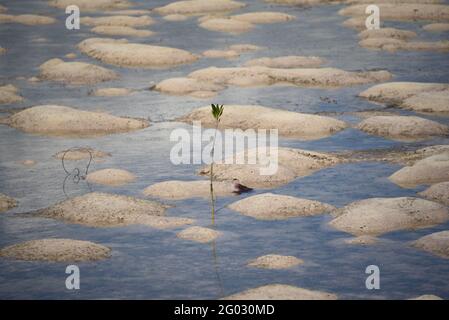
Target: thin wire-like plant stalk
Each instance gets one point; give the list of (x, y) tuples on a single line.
[(212, 197)]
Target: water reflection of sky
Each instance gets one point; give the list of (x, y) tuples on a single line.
[(148, 263)]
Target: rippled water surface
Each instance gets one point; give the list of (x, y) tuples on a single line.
[(155, 264)]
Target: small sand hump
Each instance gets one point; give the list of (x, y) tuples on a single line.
[(110, 210), (111, 177), (275, 262), (436, 243), (27, 19), (56, 250), (438, 192), (198, 7), (6, 202), (89, 5), (9, 94), (281, 292)]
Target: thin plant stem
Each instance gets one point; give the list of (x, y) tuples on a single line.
[(212, 197)]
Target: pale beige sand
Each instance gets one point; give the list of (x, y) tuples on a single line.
[(3, 9), (118, 21), (391, 44), (128, 12), (66, 121), (244, 47), (71, 55), (377, 216), (9, 94), (436, 243), (199, 234), (111, 92), (431, 101), (179, 190), (125, 54), (27, 19), (176, 17), (436, 27), (286, 62), (362, 240), (387, 33), (89, 5), (227, 54), (263, 17), (438, 192), (293, 163), (433, 169), (97, 209), (275, 261), (111, 177), (2, 51), (227, 25), (6, 202), (403, 128), (427, 297), (281, 292), (196, 7), (289, 124), (188, 86), (269, 206), (80, 154), (56, 250), (28, 162), (122, 31), (76, 73)]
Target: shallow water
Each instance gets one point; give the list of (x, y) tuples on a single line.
[(154, 264)]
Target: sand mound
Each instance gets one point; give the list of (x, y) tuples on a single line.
[(281, 292), (403, 128), (275, 261), (122, 53), (89, 5), (361, 240), (3, 8), (81, 154), (431, 101), (438, 192), (292, 163), (227, 25), (381, 215), (270, 206), (76, 73), (122, 31), (286, 62), (111, 92), (199, 234), (2, 51), (26, 19), (179, 190), (436, 243), (27, 162), (244, 47), (60, 120), (427, 297), (290, 124), (6, 202), (118, 21), (111, 177), (403, 11), (436, 27), (430, 170), (228, 54), (392, 44), (70, 55), (263, 17), (175, 17), (97, 209), (196, 7), (387, 33), (8, 94), (188, 86), (56, 250)]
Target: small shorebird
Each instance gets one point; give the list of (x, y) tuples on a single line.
[(239, 188)]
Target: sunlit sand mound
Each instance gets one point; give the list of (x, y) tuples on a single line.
[(269, 206), (431, 101), (199, 234), (111, 177), (391, 44), (436, 27), (403, 128), (288, 123), (66, 121), (436, 243), (125, 54), (387, 33), (292, 163), (6, 202), (118, 21), (110, 210), (89, 5), (122, 31), (377, 216), (2, 51), (56, 250), (197, 7), (175, 17), (275, 261), (361, 240), (427, 297), (286, 62), (111, 92), (227, 25), (430, 170), (26, 19), (244, 47), (179, 190), (9, 94), (438, 192), (76, 73), (188, 86), (228, 54), (80, 154), (281, 292), (263, 17)]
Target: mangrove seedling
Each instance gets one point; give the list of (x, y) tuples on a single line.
[(217, 111)]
